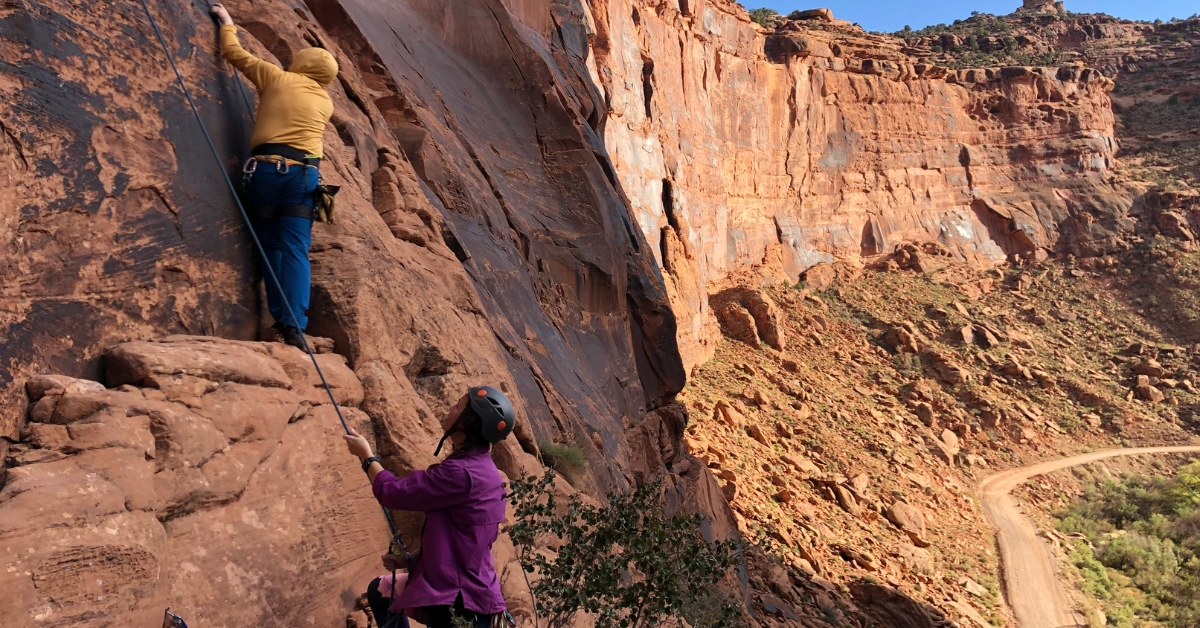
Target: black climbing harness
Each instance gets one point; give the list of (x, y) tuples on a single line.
[(246, 217)]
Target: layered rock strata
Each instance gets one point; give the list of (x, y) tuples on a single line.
[(817, 142)]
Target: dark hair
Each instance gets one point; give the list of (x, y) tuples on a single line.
[(471, 427)]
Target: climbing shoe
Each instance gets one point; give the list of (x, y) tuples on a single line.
[(292, 335)]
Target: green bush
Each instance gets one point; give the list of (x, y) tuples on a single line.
[(762, 16), (1145, 532), (567, 460), (626, 564), (1185, 490)]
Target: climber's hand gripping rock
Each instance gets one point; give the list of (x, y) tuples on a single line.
[(221, 14)]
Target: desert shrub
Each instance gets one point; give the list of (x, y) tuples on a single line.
[(1145, 532), (762, 16), (566, 459), (626, 564)]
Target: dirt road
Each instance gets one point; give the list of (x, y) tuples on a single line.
[(1029, 573)]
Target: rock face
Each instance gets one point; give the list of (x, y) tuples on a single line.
[(837, 145), (507, 259), (482, 236), (200, 486)]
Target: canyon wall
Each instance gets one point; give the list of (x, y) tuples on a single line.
[(816, 142)]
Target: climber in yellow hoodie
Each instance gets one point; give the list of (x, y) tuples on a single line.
[(280, 179)]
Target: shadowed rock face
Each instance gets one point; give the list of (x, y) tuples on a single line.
[(836, 145)]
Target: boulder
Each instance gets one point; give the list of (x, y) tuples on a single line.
[(946, 451), (950, 439), (910, 520), (925, 413), (822, 15), (820, 277), (1149, 368), (738, 324), (915, 559), (987, 338), (1016, 369), (972, 587), (857, 556), (159, 364), (952, 373), (1149, 393), (801, 464), (755, 432), (846, 500), (766, 318), (901, 340), (728, 415), (39, 385)]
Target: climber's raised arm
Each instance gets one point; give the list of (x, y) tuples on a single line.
[(261, 73)]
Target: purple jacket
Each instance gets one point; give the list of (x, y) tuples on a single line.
[(463, 498)]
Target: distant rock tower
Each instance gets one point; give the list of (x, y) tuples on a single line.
[(1042, 6)]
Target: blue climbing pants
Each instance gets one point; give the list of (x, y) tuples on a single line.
[(271, 195)]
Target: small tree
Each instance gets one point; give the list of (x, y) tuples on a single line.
[(627, 564)]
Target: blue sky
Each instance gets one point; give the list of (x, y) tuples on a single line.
[(892, 15)]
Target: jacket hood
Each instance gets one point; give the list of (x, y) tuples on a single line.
[(315, 63)]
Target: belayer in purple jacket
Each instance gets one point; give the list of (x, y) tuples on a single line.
[(463, 501)]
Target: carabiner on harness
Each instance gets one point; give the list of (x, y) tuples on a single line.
[(248, 171)]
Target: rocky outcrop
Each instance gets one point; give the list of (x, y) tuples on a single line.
[(213, 473), (1042, 6), (834, 144)]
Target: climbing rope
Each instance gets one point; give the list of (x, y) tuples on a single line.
[(266, 262)]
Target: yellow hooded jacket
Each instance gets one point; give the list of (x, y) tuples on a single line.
[(293, 107)]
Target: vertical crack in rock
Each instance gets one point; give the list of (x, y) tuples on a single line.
[(648, 86)]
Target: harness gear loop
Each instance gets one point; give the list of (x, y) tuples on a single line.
[(269, 272)]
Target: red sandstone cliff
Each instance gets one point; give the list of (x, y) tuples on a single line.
[(817, 143)]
